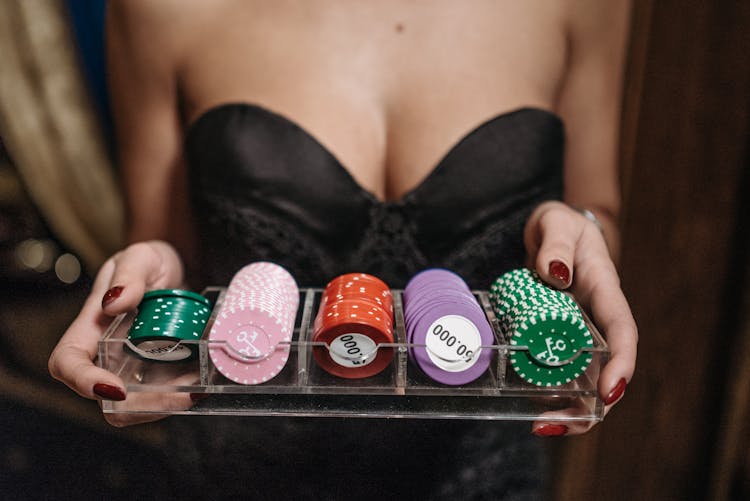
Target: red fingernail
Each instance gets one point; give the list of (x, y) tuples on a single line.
[(109, 392), (560, 271), (111, 295), (616, 392), (551, 430), (197, 397)]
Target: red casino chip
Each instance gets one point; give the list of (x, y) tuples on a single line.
[(359, 278), (353, 350), (353, 310), (362, 284), (362, 292), (355, 317)]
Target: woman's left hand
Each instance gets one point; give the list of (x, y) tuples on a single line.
[(569, 252)]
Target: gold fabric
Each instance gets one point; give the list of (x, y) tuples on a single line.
[(50, 128)]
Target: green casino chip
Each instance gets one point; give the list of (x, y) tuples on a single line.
[(178, 293), (554, 353), (508, 310), (165, 318), (513, 319), (518, 307), (545, 328)]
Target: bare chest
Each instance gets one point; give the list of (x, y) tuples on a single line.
[(387, 87)]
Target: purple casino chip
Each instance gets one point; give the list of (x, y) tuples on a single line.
[(447, 326), (449, 338), (429, 278), (419, 309)]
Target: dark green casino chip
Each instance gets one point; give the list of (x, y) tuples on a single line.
[(165, 319), (550, 348), (178, 293), (544, 326)]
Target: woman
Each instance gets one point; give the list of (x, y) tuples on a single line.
[(372, 136)]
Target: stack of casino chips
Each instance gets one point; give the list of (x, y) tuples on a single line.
[(250, 337), (165, 318), (355, 317), (447, 327), (545, 324)]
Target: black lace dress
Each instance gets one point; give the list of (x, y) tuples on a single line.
[(264, 189)]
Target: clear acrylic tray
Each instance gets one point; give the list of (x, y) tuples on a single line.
[(303, 388)]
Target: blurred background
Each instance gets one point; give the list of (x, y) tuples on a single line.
[(60, 215), (683, 429)]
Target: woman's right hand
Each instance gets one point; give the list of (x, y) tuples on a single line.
[(118, 288)]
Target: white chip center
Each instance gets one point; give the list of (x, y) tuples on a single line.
[(453, 343), (250, 342), (353, 350), (163, 350)]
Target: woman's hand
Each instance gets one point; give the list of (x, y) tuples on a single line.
[(118, 288), (569, 252)]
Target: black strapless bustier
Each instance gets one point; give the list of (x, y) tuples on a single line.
[(265, 189)]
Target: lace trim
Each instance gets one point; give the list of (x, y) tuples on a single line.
[(233, 236)]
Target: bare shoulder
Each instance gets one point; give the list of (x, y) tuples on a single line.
[(131, 13), (152, 29), (592, 20)]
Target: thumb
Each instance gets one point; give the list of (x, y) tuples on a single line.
[(139, 267)]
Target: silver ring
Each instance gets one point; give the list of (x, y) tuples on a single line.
[(591, 217)]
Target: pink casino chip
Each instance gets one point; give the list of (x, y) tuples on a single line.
[(248, 345), (249, 340)]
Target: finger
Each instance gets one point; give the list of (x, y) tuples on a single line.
[(73, 366), (614, 319), (559, 422), (559, 233), (137, 268), (567, 416), (91, 322), (145, 407), (149, 406), (71, 361), (532, 236), (622, 337), (570, 421)]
